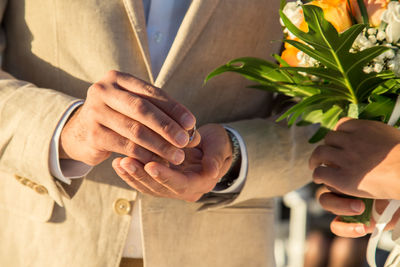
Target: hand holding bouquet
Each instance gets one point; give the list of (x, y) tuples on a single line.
[(341, 59)]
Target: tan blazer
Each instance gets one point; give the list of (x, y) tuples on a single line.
[(66, 45)]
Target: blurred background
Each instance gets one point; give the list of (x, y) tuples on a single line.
[(303, 236)]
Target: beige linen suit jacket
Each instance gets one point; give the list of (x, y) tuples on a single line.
[(53, 51)]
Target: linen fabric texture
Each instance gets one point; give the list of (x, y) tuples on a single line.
[(53, 51)]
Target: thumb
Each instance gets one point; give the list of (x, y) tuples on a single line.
[(342, 123), (216, 147), (211, 167)]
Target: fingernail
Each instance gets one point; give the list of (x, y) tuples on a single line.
[(182, 138), (153, 172), (178, 156), (131, 168), (187, 121), (360, 229), (356, 206)]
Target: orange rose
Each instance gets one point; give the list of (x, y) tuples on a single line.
[(375, 8), (335, 12), (290, 55)]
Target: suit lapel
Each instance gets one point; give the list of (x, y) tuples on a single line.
[(196, 18), (135, 12)]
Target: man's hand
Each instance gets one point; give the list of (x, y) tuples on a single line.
[(125, 115), (360, 158), (204, 165), (343, 206)]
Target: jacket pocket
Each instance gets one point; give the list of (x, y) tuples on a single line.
[(22, 197)]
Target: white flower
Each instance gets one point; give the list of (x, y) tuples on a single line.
[(372, 39), (394, 65), (381, 58), (378, 67), (381, 35), (391, 64), (389, 54), (372, 31), (293, 11), (392, 17), (362, 42), (368, 69)]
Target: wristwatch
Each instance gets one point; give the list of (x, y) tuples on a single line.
[(233, 173)]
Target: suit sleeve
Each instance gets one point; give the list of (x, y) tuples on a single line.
[(28, 118), (277, 160)]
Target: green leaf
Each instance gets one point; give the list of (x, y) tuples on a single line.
[(363, 11), (300, 107), (280, 60), (391, 85), (282, 4), (325, 44), (347, 38), (331, 117), (317, 55), (268, 74), (319, 135), (328, 122), (380, 107), (323, 73), (353, 111), (356, 63)]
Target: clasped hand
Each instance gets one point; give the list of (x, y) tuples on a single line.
[(128, 116), (359, 158)]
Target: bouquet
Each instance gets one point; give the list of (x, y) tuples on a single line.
[(341, 58)]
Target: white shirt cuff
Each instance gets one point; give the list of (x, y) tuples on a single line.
[(65, 169), (238, 184)]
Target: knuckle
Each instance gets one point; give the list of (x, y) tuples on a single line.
[(166, 125), (150, 90), (112, 74), (93, 112), (135, 150), (95, 90), (164, 148), (129, 147), (139, 105), (142, 106), (176, 109), (136, 129)]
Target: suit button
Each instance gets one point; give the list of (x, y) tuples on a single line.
[(24, 181), (122, 206), (30, 184), (40, 189)]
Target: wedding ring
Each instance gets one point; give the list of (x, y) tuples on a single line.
[(192, 133)]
